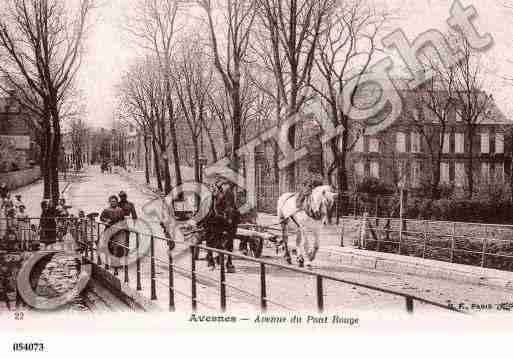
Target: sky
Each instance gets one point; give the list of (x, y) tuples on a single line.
[(109, 53)]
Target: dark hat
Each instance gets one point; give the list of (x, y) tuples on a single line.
[(17, 196), (22, 206), (122, 194)]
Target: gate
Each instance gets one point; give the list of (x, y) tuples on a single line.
[(267, 189)]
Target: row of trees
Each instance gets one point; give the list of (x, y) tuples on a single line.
[(41, 45), (235, 67)]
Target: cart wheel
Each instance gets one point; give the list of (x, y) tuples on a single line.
[(257, 246)]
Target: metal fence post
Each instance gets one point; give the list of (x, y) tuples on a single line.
[(320, 294), (452, 241), (86, 240), (401, 214), (222, 283), (263, 288), (425, 239), (171, 284), (342, 234), (126, 252), (152, 269), (483, 259), (138, 262), (193, 281), (98, 258), (409, 305)]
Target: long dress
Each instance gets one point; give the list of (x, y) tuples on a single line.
[(23, 228)]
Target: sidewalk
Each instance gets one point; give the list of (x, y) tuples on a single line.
[(349, 255)]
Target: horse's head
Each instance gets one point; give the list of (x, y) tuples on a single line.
[(324, 198)]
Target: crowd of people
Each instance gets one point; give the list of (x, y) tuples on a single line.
[(15, 227)]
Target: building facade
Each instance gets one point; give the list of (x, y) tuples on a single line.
[(18, 149), (402, 153)]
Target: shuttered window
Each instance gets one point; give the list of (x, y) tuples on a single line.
[(401, 142)]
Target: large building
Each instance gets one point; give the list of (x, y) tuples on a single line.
[(401, 153)]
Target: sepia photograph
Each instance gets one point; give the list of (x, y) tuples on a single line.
[(248, 165)]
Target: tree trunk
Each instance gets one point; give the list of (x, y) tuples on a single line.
[(197, 175), (213, 149), (45, 163), (174, 148), (55, 152), (435, 180), (146, 161), (470, 163), (157, 165)]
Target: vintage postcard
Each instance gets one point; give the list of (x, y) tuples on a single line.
[(255, 165)]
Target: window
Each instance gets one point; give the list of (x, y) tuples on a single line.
[(446, 148), (444, 173), (401, 171), (359, 169), (358, 147), (415, 142), (415, 174), (459, 143), (485, 142), (499, 172), (373, 144), (499, 142), (459, 174), (485, 172), (374, 169), (401, 142)]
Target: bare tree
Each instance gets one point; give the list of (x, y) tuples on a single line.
[(429, 115), (193, 82), (464, 84), (154, 27), (345, 50), (289, 32), (144, 100), (41, 44), (79, 134), (239, 16)]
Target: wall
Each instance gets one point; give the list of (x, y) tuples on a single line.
[(20, 178)]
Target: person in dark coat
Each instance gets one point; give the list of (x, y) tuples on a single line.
[(226, 208), (114, 215), (4, 191), (127, 207), (47, 223)]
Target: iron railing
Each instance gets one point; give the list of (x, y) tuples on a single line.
[(263, 297), (485, 245), (87, 234)]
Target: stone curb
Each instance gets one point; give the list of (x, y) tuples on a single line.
[(394, 263), (133, 299)]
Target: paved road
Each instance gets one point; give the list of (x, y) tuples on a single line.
[(286, 290)]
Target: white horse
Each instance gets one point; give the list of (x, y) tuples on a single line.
[(316, 206)]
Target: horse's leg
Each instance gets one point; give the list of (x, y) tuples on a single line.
[(300, 245), (311, 249), (230, 268), (285, 241), (210, 256)]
